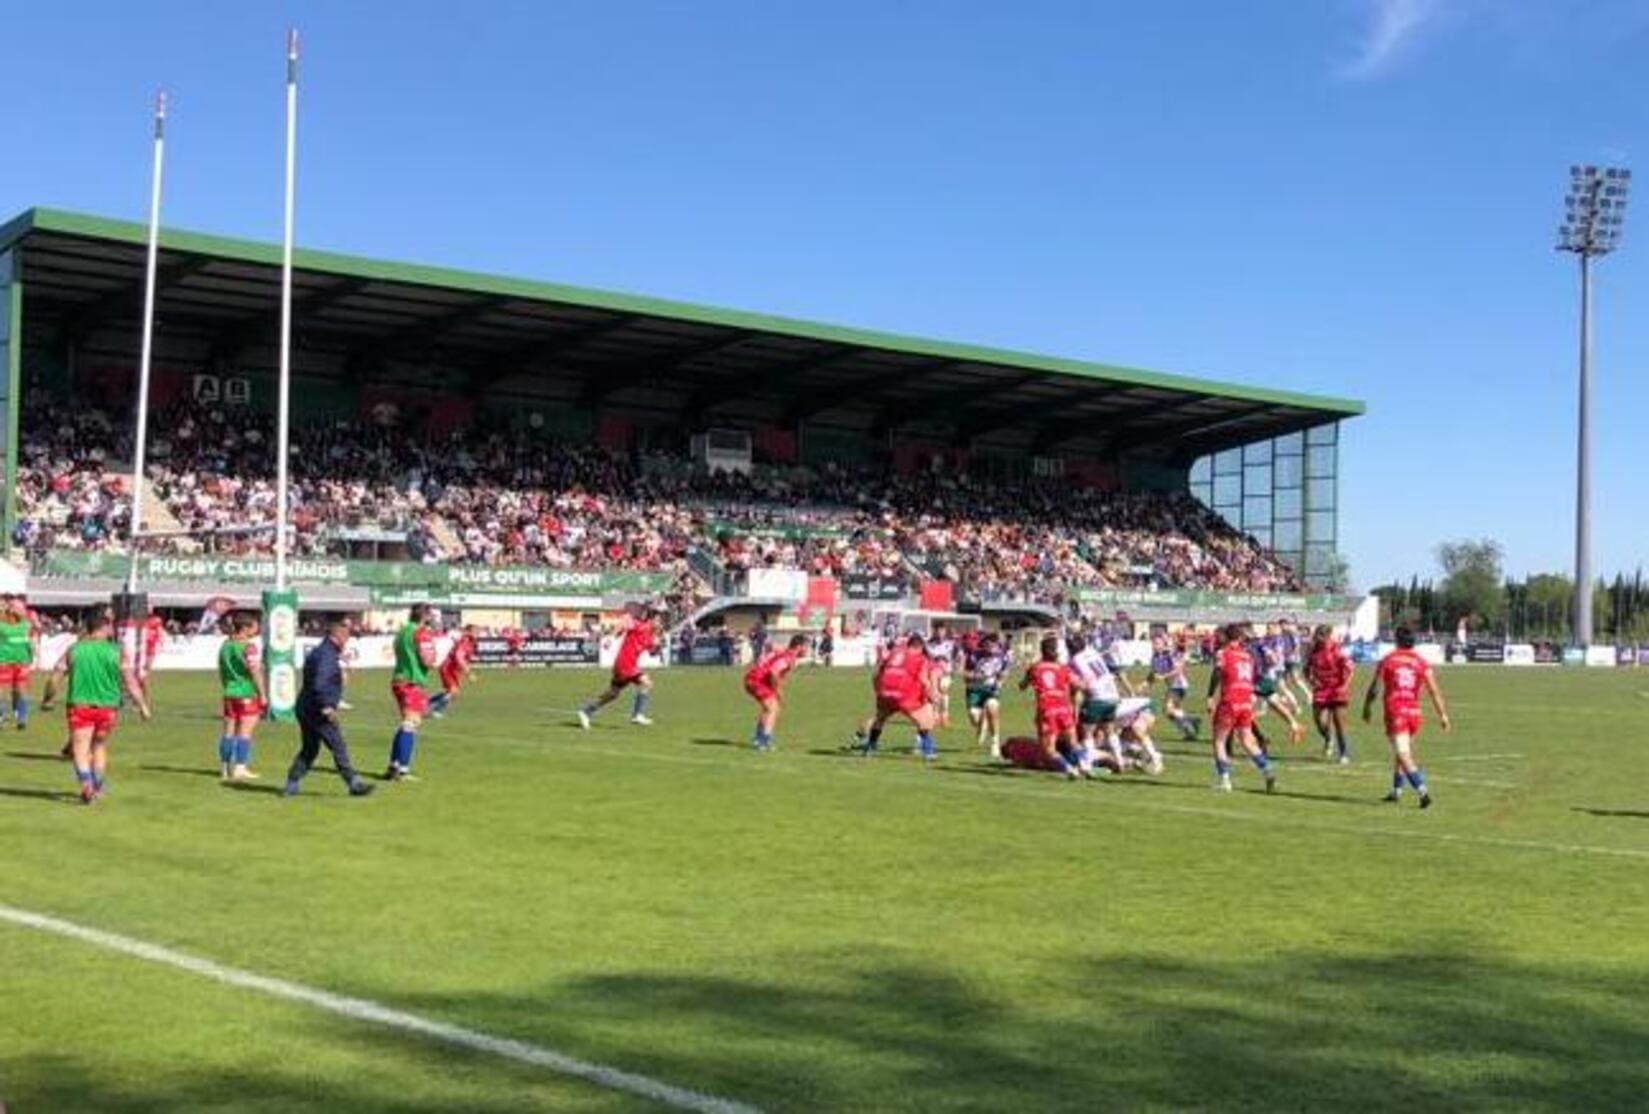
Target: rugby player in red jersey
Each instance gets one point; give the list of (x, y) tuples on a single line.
[(455, 670), (1402, 676), (763, 682), (905, 686), (150, 636), (640, 637), (1328, 667), (1052, 683), (1233, 683)]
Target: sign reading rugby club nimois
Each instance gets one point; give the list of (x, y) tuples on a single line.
[(411, 577)]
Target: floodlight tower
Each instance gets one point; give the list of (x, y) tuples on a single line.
[(1594, 213)]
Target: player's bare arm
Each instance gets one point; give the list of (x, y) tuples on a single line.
[(134, 689), (1370, 697), (1435, 691)]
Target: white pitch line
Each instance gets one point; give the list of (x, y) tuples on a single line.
[(1432, 760), (360, 1009)]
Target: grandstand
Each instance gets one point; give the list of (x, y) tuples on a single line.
[(520, 446)]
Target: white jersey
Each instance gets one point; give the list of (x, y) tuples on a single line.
[(1129, 708), (1096, 677), (943, 652)]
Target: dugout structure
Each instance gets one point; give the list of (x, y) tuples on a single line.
[(437, 348)]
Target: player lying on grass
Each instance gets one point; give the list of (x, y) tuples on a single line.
[(1134, 721), (240, 675), (905, 685), (1168, 666), (1402, 675), (1329, 670), (91, 675), (1231, 701), (640, 637), (764, 680), (455, 671), (985, 663)]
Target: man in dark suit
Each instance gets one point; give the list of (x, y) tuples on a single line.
[(317, 708)]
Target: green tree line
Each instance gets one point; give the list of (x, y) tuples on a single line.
[(1535, 608)]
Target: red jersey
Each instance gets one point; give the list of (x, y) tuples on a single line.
[(1402, 674), (1051, 682), (770, 669), (461, 654), (638, 640), (1329, 669), (154, 631), (1235, 666), (901, 673)]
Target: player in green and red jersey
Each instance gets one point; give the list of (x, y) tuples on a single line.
[(240, 673), (414, 658), (19, 640), (91, 675)]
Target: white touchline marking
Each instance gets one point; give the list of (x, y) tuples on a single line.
[(360, 1009), (1470, 758)]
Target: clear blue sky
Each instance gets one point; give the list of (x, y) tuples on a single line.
[(1356, 197)]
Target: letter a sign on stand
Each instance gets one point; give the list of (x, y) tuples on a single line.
[(280, 651)]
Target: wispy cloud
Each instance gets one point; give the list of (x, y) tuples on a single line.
[(1394, 27)]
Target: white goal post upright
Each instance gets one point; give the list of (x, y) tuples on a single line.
[(280, 606), (284, 416), (146, 354)]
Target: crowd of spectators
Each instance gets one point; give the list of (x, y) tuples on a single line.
[(501, 498)]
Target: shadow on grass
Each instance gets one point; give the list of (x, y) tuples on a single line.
[(1631, 813), (56, 796), (875, 1030), (1302, 1030), (184, 771), (716, 743), (53, 755)]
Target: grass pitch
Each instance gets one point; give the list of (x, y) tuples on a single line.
[(808, 930)]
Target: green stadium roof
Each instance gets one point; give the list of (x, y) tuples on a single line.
[(578, 346)]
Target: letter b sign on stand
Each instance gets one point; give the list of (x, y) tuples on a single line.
[(280, 651)]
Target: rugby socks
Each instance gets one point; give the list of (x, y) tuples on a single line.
[(1261, 763), (439, 702), (20, 709), (639, 705), (926, 746), (1223, 769), (1342, 743), (869, 741), (589, 707), (242, 749), (761, 739), (226, 750), (1417, 780), (400, 748), (1397, 783)]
